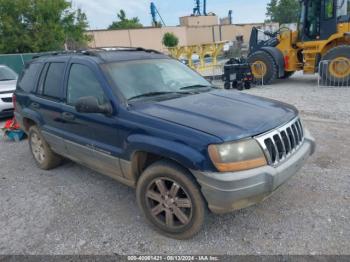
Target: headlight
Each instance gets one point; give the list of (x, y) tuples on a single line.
[(237, 156)]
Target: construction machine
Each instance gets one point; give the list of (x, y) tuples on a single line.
[(323, 34)]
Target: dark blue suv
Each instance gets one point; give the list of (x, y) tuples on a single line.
[(154, 124)]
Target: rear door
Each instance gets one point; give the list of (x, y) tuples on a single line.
[(92, 138), (48, 103)]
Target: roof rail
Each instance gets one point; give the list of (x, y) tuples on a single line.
[(121, 48), (55, 53), (95, 51)]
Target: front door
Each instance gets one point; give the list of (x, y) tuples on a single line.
[(328, 24), (310, 20), (92, 139)]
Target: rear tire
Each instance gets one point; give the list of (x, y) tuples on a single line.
[(264, 67), (235, 84), (240, 86), (170, 200), (337, 71), (44, 157)]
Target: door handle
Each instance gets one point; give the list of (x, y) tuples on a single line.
[(68, 116), (35, 105)]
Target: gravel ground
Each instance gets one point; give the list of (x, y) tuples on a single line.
[(72, 210)]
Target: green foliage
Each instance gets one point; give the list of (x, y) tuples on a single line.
[(170, 40), (75, 28), (125, 23), (40, 26), (283, 11)]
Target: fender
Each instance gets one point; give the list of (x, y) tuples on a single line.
[(278, 56), (30, 114), (179, 152)]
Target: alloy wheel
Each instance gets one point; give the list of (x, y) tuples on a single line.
[(169, 203), (37, 148)]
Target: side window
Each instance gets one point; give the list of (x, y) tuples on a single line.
[(313, 19), (28, 78), (329, 9), (81, 83), (53, 81)]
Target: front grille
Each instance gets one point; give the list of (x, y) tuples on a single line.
[(279, 144), (7, 99)]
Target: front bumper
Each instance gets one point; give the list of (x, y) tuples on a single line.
[(226, 192)]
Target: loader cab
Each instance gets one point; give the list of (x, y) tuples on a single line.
[(319, 18)]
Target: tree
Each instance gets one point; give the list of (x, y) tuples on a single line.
[(170, 40), (40, 26), (75, 31), (283, 11), (125, 23)]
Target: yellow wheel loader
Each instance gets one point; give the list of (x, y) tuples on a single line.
[(323, 35)]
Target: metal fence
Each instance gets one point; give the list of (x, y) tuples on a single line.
[(15, 61), (335, 73), (261, 71), (212, 73)]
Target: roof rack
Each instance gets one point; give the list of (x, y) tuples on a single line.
[(96, 51)]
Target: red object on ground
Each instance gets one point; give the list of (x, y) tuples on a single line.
[(11, 124)]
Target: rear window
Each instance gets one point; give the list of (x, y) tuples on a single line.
[(7, 74), (53, 81), (28, 78)]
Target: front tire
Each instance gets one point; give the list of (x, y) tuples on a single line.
[(44, 157), (263, 67), (171, 200)]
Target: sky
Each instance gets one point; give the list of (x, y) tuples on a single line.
[(101, 13)]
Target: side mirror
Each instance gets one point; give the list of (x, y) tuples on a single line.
[(89, 104)]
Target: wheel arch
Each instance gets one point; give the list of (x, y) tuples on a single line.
[(334, 44), (29, 118), (144, 151), (27, 123)]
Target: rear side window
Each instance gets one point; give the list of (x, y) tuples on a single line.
[(53, 82), (28, 78)]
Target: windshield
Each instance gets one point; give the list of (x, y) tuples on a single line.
[(7, 74), (153, 77)]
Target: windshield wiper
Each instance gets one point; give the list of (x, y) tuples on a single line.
[(195, 86), (6, 79), (150, 94)]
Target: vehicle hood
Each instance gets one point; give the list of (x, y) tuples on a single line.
[(8, 86), (228, 115)]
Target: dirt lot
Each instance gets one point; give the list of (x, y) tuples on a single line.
[(72, 210)]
